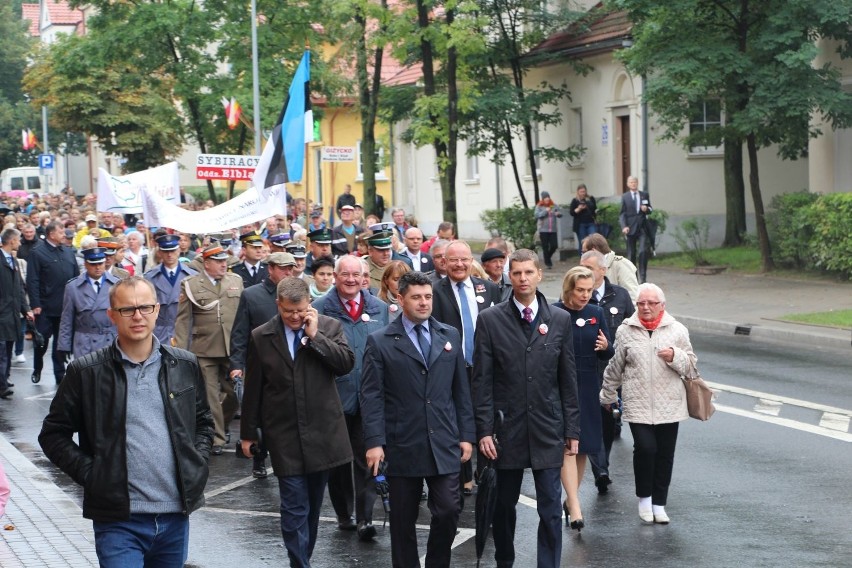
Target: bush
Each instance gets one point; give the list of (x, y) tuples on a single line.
[(691, 237), (790, 228), (830, 219), (516, 224)]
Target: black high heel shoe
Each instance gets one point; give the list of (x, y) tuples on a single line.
[(567, 514), (578, 525)]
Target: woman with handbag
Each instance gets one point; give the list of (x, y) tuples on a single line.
[(652, 353), (591, 346)]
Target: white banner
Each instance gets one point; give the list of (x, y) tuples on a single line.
[(123, 194), (247, 207)]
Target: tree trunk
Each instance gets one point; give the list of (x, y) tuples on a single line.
[(507, 138), (448, 188), (429, 90), (735, 220), (759, 216)]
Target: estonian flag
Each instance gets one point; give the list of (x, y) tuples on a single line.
[(283, 157)]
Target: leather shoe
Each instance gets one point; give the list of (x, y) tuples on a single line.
[(259, 472), (7, 393), (36, 376), (217, 450), (602, 483), (346, 524), (366, 531), (10, 384)]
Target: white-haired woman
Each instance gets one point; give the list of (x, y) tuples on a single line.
[(652, 353)]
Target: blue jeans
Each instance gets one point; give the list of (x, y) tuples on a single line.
[(146, 540), (583, 231), (301, 501)]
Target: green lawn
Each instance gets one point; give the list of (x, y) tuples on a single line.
[(746, 259), (835, 318)]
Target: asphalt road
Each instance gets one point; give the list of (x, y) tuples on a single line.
[(764, 483)]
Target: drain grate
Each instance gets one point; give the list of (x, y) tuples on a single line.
[(742, 330)]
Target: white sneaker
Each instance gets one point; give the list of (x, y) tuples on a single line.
[(646, 515), (19, 359)]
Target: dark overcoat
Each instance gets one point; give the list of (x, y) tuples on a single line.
[(13, 301), (532, 379), (295, 404), (257, 306), (49, 268), (419, 415), (242, 271)]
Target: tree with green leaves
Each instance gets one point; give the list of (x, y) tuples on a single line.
[(505, 107), (756, 60), (15, 113)]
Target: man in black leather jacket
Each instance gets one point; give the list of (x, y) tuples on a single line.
[(145, 432)]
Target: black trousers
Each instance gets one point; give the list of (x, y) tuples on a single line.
[(344, 494), (639, 240), (6, 348), (49, 326), (653, 459), (600, 461), (444, 504), (548, 490), (549, 244)]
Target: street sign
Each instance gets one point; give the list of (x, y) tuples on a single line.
[(225, 166), (338, 154), (46, 161)]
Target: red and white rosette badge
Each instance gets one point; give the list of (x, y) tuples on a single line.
[(542, 329)]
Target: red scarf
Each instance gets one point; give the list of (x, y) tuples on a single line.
[(652, 325)]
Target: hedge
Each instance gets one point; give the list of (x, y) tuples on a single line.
[(812, 231)]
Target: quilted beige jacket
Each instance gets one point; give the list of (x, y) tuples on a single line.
[(651, 388)]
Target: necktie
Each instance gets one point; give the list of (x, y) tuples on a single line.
[(635, 200), (97, 284), (527, 314), (352, 309), (10, 262), (297, 335), (253, 271), (467, 324), (172, 275), (423, 341)]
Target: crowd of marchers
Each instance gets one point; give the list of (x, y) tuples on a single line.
[(338, 355)]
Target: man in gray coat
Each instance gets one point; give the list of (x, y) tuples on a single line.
[(166, 278), (360, 314), (524, 366)]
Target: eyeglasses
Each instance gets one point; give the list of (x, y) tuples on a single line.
[(459, 259), (291, 313), (130, 311), (649, 304)]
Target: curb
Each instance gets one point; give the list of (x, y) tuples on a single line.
[(762, 332)]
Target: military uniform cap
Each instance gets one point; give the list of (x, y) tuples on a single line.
[(297, 250), (381, 227), (215, 252), (380, 241), (320, 236), (251, 239), (94, 255), (279, 240), (109, 244), (168, 242)]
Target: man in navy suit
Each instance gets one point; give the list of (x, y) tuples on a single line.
[(635, 208), (417, 411)]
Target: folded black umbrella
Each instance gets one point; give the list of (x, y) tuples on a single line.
[(38, 339), (486, 495)]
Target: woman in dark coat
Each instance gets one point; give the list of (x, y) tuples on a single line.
[(583, 208), (591, 344)]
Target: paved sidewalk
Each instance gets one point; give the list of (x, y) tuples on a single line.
[(50, 531), (743, 304)]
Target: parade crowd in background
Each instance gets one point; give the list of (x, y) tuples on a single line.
[(337, 353)]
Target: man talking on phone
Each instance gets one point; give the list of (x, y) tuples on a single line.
[(291, 397)]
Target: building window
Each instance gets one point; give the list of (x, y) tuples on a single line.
[(575, 137), (535, 145), (380, 163), (472, 173), (706, 116)]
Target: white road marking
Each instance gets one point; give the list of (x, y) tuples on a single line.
[(228, 487), (770, 407), (835, 422), (42, 396), (778, 398), (828, 433)]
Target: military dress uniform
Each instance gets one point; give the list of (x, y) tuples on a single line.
[(110, 246), (381, 241), (251, 275), (84, 326), (168, 289), (206, 312)]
